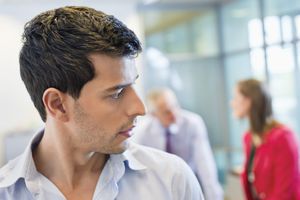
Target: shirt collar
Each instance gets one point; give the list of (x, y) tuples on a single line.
[(129, 158), (23, 166)]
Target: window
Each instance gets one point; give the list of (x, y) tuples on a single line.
[(235, 19), (279, 7)]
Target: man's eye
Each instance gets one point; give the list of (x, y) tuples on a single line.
[(117, 95)]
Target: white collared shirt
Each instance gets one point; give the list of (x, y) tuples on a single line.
[(138, 173), (190, 142)]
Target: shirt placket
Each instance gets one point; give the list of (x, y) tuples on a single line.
[(107, 186)]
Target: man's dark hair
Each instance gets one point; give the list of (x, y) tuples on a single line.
[(56, 45)]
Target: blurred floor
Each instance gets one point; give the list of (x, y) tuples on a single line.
[(233, 189)]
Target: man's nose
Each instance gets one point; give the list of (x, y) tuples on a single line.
[(136, 106)]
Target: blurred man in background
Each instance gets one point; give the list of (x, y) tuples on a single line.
[(180, 132)]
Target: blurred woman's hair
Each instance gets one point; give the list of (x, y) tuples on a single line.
[(261, 104)]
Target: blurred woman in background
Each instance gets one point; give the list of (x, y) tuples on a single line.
[(271, 169)]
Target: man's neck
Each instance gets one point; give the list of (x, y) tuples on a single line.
[(65, 165)]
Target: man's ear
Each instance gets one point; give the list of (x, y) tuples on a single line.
[(54, 101)]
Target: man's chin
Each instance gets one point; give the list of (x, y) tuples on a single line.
[(121, 148)]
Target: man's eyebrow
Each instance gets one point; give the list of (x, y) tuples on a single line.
[(121, 86)]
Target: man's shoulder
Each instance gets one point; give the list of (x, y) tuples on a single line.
[(17, 190), (165, 171), (155, 159), (10, 182), (9, 174), (161, 163), (193, 123)]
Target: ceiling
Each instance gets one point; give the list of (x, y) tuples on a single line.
[(177, 4), (65, 1), (189, 1), (161, 14), (26, 9), (143, 2)]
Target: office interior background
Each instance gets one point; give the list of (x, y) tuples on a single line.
[(199, 48)]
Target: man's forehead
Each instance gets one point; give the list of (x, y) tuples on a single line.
[(112, 73), (113, 66), (121, 84), (95, 58)]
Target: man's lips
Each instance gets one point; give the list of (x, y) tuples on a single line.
[(127, 133)]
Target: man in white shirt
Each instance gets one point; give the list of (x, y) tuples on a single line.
[(180, 132), (78, 67)]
